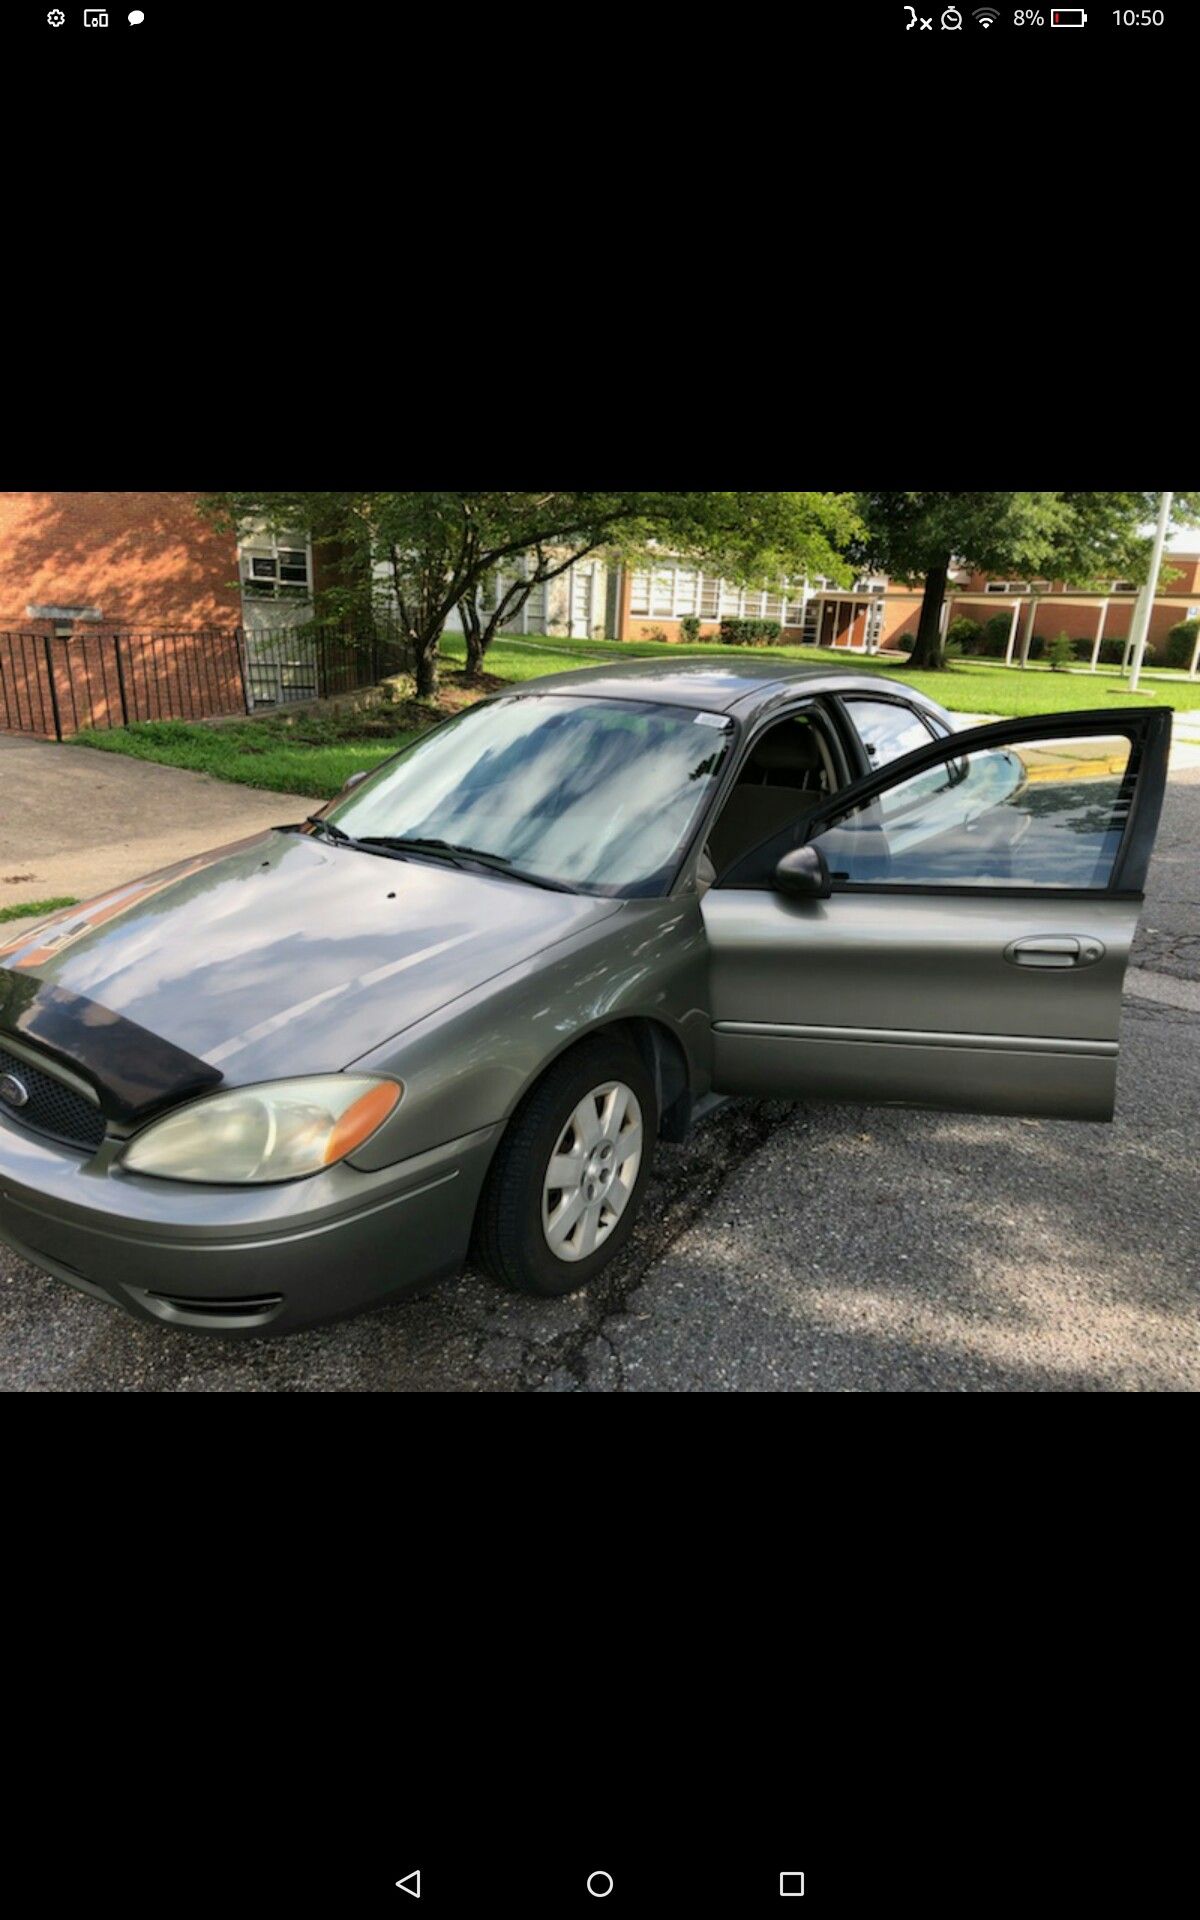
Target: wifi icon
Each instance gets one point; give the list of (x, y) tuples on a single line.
[(986, 16)]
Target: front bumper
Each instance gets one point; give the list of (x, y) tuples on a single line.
[(241, 1260)]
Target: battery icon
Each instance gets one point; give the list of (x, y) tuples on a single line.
[(1068, 17)]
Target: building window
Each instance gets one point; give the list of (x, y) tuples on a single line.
[(276, 570), (731, 599), (686, 583), (1123, 586), (676, 593), (662, 600)]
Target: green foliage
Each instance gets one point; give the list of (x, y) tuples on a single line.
[(689, 629), (1077, 537), (1181, 642), (35, 909), (749, 633), (1061, 653), (993, 639), (911, 533), (963, 636), (438, 551)]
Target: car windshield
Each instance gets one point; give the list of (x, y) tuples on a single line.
[(591, 793)]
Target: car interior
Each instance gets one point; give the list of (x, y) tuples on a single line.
[(788, 773)]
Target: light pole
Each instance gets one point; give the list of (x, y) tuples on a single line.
[(1145, 599)]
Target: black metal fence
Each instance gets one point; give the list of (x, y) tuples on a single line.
[(315, 662), (55, 685)]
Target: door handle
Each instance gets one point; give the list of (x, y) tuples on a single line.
[(1054, 950)]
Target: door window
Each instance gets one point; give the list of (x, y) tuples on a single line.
[(888, 729), (1039, 813)]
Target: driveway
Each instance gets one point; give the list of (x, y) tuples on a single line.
[(798, 1249), (76, 822)]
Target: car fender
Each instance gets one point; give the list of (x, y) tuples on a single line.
[(470, 1064)]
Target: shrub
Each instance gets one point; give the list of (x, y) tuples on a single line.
[(657, 635), (993, 639), (689, 629), (963, 636), (1061, 652), (1112, 650), (749, 633), (1180, 642)]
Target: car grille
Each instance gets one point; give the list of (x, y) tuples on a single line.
[(53, 1107)]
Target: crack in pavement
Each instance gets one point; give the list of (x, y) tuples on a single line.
[(685, 1181)]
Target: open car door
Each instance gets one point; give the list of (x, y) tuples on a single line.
[(962, 938)]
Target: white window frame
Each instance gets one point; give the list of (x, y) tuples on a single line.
[(266, 549), (689, 587)]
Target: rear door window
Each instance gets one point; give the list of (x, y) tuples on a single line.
[(888, 729)]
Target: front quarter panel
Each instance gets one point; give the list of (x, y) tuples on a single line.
[(468, 1065)]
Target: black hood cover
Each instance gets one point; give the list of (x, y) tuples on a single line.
[(134, 1072)]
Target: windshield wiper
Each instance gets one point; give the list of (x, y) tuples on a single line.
[(464, 856), (399, 843), (319, 822)]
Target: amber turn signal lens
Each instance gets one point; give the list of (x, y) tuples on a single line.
[(360, 1120)]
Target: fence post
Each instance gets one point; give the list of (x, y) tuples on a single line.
[(121, 680), (239, 641), (53, 689)]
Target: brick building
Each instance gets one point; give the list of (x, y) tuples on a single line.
[(876, 614), (132, 560)]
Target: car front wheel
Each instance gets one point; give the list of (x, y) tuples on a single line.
[(567, 1180)]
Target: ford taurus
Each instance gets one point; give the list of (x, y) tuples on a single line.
[(455, 1010)]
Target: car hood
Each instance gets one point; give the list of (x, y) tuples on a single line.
[(284, 954)]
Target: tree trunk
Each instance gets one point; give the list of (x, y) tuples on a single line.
[(425, 667), (468, 613), (928, 649), (480, 634)]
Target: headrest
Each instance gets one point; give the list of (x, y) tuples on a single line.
[(787, 749)]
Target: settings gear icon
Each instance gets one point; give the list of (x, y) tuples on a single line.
[(56, 17)]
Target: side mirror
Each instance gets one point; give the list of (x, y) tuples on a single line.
[(803, 874), (355, 780)]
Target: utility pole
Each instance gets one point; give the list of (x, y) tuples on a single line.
[(1145, 599)]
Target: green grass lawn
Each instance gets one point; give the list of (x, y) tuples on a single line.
[(304, 757), (34, 909), (528, 659), (315, 753)]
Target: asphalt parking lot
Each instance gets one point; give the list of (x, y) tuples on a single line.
[(801, 1249)]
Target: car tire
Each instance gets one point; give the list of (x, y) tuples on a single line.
[(525, 1235)]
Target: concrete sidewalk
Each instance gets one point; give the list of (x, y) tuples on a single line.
[(74, 821)]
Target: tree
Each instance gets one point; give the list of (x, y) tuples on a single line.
[(919, 536), (425, 553), (1075, 537)]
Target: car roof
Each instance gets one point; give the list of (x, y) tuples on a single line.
[(717, 684)]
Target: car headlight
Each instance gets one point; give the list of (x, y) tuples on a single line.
[(281, 1130)]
